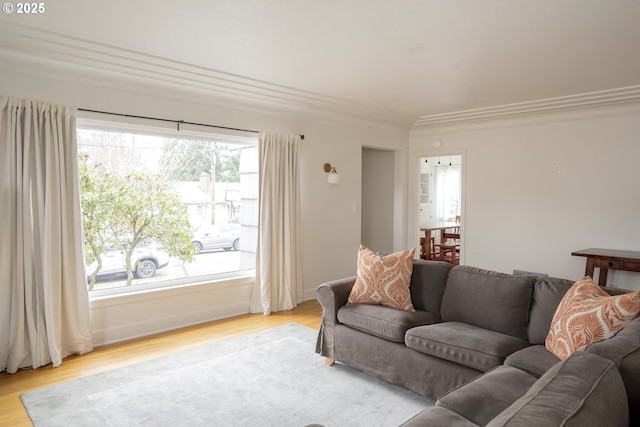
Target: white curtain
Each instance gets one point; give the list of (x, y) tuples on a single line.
[(44, 303), (278, 262), (447, 198)]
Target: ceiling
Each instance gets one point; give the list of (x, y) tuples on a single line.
[(411, 62)]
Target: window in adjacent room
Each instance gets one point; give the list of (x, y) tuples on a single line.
[(162, 207), (440, 189)]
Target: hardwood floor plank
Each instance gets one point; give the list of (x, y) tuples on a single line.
[(117, 355)]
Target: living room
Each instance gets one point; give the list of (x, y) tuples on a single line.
[(543, 175)]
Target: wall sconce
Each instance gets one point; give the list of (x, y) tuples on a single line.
[(333, 177)]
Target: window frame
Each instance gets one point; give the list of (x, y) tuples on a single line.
[(134, 125)]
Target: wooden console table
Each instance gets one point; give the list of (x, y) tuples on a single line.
[(608, 259)]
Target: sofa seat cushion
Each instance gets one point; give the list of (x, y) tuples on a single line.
[(384, 322), (495, 301), (464, 344), (482, 399), (584, 390), (535, 360)]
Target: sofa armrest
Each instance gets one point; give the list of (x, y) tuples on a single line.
[(623, 349), (331, 296)]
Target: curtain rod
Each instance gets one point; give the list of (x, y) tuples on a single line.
[(177, 122)]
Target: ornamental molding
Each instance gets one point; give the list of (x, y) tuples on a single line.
[(54, 50), (583, 100), (95, 62)]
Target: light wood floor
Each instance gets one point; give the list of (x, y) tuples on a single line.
[(112, 356)]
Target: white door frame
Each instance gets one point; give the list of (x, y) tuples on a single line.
[(413, 220)]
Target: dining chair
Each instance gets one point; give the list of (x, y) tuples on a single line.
[(423, 248), (450, 245), (427, 247)]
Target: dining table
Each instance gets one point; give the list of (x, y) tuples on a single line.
[(429, 228)]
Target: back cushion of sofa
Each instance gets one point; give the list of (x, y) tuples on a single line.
[(488, 299), (582, 391), (428, 281), (547, 294)]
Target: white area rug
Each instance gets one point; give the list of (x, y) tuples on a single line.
[(269, 378)]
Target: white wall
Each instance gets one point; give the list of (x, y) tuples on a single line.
[(331, 215), (519, 213)]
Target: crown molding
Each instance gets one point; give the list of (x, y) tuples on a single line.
[(90, 60), (85, 54), (583, 100)]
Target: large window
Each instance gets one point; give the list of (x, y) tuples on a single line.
[(163, 208)]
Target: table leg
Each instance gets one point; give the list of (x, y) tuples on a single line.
[(602, 280), (588, 271), (427, 244)]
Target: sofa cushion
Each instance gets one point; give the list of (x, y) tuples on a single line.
[(384, 322), (535, 360), (624, 351), (438, 416), (583, 391), (482, 399), (588, 314), (428, 281), (384, 279), (547, 294), (464, 344), (488, 299)]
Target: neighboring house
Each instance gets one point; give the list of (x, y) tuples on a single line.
[(197, 197)]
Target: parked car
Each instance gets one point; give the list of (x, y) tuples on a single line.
[(225, 236), (145, 261)]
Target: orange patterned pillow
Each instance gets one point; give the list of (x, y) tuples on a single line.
[(588, 314), (383, 280)]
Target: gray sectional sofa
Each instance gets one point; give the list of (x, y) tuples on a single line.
[(476, 343)]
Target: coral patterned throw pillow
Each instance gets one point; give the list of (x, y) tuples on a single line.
[(383, 280), (588, 314)]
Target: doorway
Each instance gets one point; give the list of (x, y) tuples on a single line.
[(440, 208), (378, 172)]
